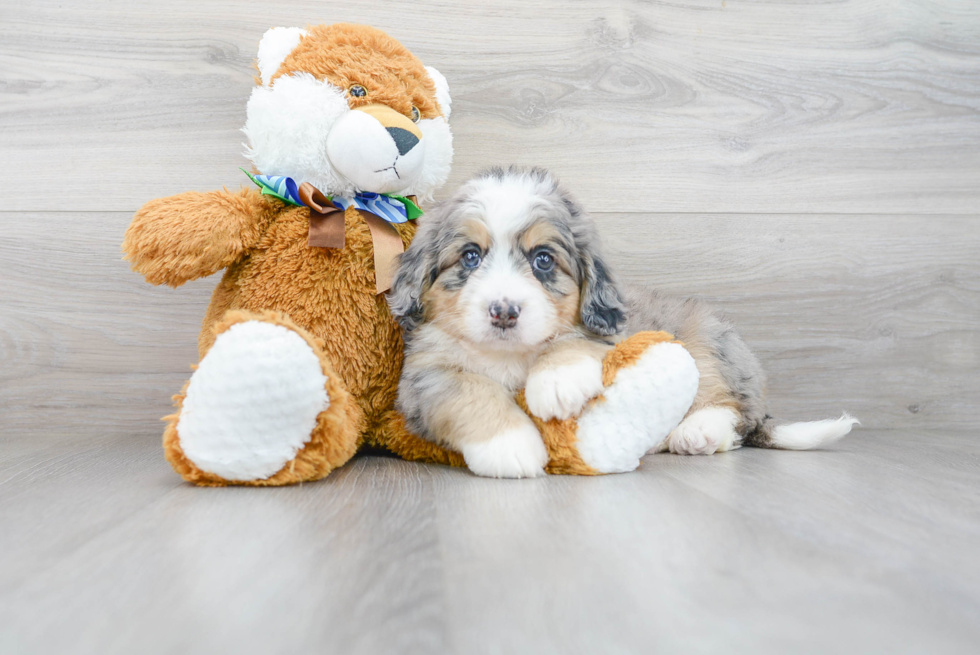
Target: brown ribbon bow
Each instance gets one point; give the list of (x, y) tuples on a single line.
[(327, 231)]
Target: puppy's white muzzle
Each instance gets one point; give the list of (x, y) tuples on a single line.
[(377, 149), (505, 308)]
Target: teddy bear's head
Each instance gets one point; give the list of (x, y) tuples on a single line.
[(348, 109)]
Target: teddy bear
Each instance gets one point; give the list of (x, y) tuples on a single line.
[(299, 355)]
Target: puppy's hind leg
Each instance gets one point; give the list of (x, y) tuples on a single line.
[(719, 426), (723, 419), (713, 422), (706, 431)]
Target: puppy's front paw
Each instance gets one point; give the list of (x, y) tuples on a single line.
[(515, 453), (562, 392)]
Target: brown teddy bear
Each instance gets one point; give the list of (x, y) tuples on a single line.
[(300, 357)]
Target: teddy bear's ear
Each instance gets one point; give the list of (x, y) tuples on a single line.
[(275, 46), (442, 91)]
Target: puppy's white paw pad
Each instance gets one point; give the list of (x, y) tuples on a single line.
[(705, 432), (562, 392), (515, 453)]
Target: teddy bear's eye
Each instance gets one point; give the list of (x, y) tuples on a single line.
[(357, 90), (416, 114)]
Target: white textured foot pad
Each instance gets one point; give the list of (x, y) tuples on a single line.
[(639, 409), (252, 403)]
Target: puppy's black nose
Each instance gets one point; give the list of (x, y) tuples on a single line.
[(403, 139), (503, 314)]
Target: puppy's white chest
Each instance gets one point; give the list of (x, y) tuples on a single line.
[(508, 369), (512, 375)]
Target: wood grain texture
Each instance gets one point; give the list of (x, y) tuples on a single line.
[(878, 315), (810, 168), (707, 106), (869, 547)]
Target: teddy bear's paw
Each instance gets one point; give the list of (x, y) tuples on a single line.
[(515, 453), (562, 392), (253, 402), (704, 432), (645, 401)]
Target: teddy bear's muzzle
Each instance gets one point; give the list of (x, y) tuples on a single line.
[(377, 149)]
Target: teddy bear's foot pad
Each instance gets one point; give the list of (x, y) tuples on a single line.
[(253, 402), (639, 409)]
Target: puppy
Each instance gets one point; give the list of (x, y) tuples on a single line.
[(506, 287)]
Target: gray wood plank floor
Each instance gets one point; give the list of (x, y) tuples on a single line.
[(810, 168), (869, 547)]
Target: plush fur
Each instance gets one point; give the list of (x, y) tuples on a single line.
[(296, 114), (327, 296), (346, 108)]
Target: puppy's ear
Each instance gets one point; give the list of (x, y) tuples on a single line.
[(416, 272), (602, 309)]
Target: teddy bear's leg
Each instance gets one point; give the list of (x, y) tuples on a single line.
[(649, 383), (263, 407)]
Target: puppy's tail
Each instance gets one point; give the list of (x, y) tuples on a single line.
[(800, 436)]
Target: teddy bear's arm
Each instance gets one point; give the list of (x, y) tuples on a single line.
[(180, 238)]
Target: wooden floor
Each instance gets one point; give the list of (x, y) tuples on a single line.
[(812, 168), (870, 547)]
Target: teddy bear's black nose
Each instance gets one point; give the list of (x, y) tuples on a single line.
[(403, 139)]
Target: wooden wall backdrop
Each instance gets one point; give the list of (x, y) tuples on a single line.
[(813, 168)]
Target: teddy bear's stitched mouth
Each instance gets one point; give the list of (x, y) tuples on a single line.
[(390, 168)]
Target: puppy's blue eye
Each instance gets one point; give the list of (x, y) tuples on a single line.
[(471, 259), (544, 262), (357, 91)]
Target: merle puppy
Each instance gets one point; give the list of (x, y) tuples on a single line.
[(506, 287)]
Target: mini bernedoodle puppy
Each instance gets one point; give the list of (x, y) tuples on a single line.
[(505, 286)]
